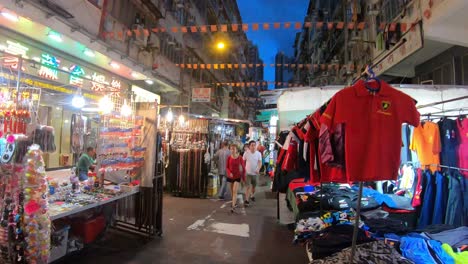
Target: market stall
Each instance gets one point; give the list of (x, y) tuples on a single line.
[(410, 188), (188, 148), (48, 210)]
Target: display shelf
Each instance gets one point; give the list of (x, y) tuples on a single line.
[(55, 209)]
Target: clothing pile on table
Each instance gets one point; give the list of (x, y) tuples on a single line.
[(380, 240)]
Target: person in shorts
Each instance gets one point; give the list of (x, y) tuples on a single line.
[(235, 173), (253, 163)]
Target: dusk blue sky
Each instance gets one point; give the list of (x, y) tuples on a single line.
[(273, 40)]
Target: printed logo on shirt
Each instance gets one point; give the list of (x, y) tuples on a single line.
[(385, 108)]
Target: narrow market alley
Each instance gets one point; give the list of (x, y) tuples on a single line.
[(204, 231)]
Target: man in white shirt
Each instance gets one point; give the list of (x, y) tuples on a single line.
[(253, 163)]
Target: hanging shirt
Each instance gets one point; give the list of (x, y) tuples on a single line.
[(372, 128), (462, 125), (426, 142), (405, 138), (449, 142)]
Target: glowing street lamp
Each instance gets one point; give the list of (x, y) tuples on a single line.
[(220, 45)]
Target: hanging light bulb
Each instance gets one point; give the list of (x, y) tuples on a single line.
[(126, 110), (78, 100), (169, 115), (181, 120), (106, 105)]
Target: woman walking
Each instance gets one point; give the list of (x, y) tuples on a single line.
[(235, 170)]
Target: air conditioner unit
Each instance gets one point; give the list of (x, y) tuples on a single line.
[(154, 41), (171, 41), (140, 40), (373, 10)]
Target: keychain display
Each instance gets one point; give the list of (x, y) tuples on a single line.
[(36, 215)]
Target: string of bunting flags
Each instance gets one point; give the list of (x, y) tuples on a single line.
[(255, 84), (340, 25), (224, 66)]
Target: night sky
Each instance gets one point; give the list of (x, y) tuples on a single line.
[(273, 40)]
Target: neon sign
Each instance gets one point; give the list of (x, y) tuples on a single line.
[(14, 48), (75, 75), (49, 67), (100, 84)]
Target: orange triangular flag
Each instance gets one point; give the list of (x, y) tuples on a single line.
[(319, 25), (146, 32), (276, 25), (177, 65), (189, 66), (208, 66), (155, 30), (255, 26), (235, 27), (203, 29), (213, 28), (308, 24), (195, 66), (244, 66), (137, 32), (351, 25), (202, 66), (182, 66), (309, 66), (215, 66), (322, 66), (193, 29), (229, 66), (120, 34), (224, 28), (297, 25), (266, 26), (293, 65), (287, 25), (257, 65), (245, 27), (162, 29), (174, 29), (221, 66), (301, 66), (330, 25), (236, 66), (340, 25), (392, 27)]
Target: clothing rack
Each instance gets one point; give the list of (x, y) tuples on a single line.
[(447, 167), (443, 102)]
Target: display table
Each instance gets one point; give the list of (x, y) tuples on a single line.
[(62, 209)]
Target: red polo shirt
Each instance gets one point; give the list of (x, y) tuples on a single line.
[(372, 129)]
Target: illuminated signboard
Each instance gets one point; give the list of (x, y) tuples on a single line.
[(13, 48), (75, 75), (49, 67), (100, 84)]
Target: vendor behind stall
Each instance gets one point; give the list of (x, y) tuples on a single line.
[(85, 163)]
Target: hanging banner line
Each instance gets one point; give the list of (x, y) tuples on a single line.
[(229, 66), (255, 84), (339, 25)]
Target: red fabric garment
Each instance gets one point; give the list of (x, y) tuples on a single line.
[(417, 192), (290, 160), (462, 126), (296, 183), (373, 128), (233, 168), (311, 137)]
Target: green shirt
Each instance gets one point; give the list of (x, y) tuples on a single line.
[(85, 162)]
